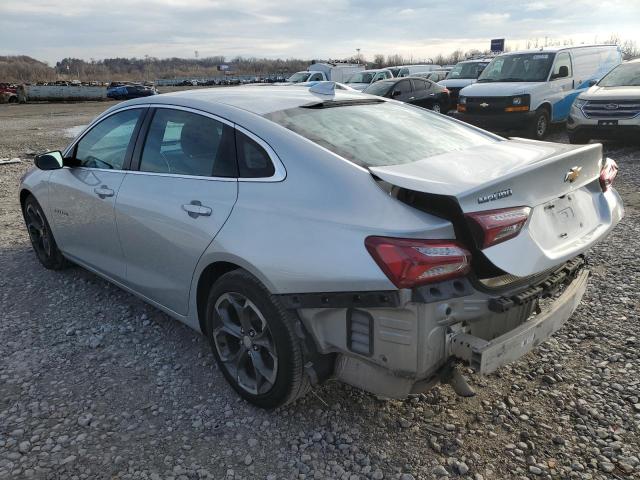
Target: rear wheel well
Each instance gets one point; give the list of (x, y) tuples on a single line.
[(207, 278)]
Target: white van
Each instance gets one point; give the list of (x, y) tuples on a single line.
[(531, 89), (464, 73), (319, 72), (408, 70)]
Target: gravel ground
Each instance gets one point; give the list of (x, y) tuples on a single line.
[(95, 384)]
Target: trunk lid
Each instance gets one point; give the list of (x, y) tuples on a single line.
[(569, 210)]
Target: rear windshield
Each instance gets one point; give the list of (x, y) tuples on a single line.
[(380, 134)]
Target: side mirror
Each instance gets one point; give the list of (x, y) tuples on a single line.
[(49, 161), (591, 83)]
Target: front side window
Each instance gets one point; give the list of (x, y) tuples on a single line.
[(106, 144), (382, 133), (402, 87), (185, 143), (562, 60), (520, 67), (315, 77)]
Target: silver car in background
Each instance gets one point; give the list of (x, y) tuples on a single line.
[(323, 233)]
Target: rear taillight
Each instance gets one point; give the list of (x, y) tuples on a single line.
[(412, 262), (496, 226), (608, 174)]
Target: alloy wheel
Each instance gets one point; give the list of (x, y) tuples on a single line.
[(38, 231), (436, 107), (244, 343)]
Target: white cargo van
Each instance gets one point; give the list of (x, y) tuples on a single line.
[(408, 70), (334, 72), (531, 89), (464, 73)]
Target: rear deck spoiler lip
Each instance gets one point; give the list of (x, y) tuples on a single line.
[(469, 195)]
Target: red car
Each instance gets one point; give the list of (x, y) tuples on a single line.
[(8, 93)]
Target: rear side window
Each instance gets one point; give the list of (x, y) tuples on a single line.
[(253, 160), (185, 143), (106, 144)]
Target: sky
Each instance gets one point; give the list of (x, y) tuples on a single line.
[(50, 30)]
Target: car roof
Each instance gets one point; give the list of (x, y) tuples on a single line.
[(257, 99)]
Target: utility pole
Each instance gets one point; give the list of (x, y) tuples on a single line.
[(358, 54)]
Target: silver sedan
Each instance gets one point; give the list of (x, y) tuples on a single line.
[(316, 233)]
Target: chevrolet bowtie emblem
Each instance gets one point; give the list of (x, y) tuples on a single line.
[(572, 174), (484, 104)]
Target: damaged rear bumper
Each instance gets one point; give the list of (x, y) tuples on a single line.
[(401, 345), (487, 356)]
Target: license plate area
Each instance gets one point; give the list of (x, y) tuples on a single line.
[(563, 216), (607, 123)]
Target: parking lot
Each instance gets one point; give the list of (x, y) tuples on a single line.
[(96, 384)]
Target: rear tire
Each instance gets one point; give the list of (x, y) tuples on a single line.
[(42, 240), (578, 138), (253, 338), (436, 107), (540, 124)]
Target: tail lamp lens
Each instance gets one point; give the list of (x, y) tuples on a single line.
[(496, 226), (608, 174), (412, 262)]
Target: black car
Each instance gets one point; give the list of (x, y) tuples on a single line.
[(414, 90)]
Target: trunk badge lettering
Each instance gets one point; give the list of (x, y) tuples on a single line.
[(495, 196), (572, 175)]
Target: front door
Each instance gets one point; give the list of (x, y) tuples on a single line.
[(170, 210), (562, 87), (83, 196)]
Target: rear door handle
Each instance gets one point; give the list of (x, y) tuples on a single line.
[(103, 191), (412, 98), (195, 209)]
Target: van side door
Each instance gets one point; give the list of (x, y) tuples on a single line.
[(562, 88)]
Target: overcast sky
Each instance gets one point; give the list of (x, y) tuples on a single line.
[(53, 29)]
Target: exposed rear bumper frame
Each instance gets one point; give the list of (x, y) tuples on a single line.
[(486, 356)]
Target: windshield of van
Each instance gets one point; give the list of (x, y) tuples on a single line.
[(624, 75), (520, 67), (298, 77), (362, 77), (467, 70), (381, 133)]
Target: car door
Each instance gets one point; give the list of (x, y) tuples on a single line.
[(83, 196), (180, 192), (403, 91), (422, 93), (561, 86)]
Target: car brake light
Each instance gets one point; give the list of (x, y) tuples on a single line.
[(608, 174), (496, 226), (412, 262)]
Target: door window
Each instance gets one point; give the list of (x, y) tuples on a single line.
[(402, 87), (419, 85), (106, 144), (316, 77), (562, 60), (185, 143), (253, 160)]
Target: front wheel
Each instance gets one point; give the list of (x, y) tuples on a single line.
[(540, 125), (254, 341), (41, 236)]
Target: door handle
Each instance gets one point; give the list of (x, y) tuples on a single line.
[(432, 94), (103, 191), (195, 209), (412, 98)]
